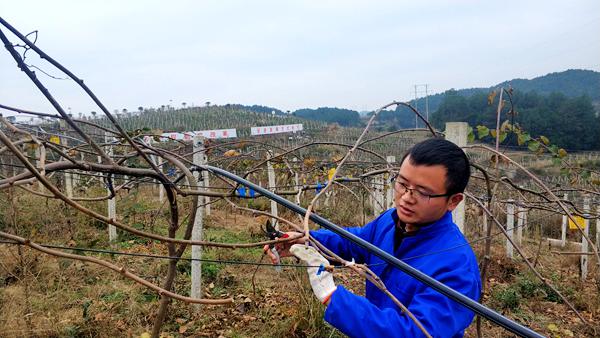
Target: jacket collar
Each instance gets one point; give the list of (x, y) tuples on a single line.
[(431, 230), (442, 224)]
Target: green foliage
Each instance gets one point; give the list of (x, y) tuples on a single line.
[(507, 298), (571, 83), (113, 297), (147, 297), (210, 271), (343, 117), (566, 122), (205, 118)]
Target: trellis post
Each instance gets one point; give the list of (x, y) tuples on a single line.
[(68, 175), (297, 180), (520, 222), (563, 228), (390, 186), (584, 244), (112, 203), (510, 225), (199, 159), (598, 229), (272, 185), (456, 132)]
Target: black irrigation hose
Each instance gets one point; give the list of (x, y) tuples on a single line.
[(476, 307)]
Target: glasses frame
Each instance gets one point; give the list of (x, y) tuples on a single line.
[(413, 192)]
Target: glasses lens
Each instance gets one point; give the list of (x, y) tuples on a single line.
[(403, 189)]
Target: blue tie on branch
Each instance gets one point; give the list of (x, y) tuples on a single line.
[(241, 191), (319, 187)]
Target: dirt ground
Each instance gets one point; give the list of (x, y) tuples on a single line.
[(42, 296)]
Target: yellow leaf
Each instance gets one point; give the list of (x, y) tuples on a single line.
[(552, 327), (55, 139), (145, 335), (562, 153), (491, 97), (545, 140), (231, 153)]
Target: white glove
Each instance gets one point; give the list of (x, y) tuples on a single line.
[(320, 279)]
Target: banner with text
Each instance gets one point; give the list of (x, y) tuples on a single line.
[(266, 130), (189, 135)]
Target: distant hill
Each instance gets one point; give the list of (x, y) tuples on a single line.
[(572, 83), (207, 118), (343, 117)]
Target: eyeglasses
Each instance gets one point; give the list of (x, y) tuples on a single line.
[(401, 189)]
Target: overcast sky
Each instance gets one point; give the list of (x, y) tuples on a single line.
[(290, 54)]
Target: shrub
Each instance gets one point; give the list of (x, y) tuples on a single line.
[(507, 298)]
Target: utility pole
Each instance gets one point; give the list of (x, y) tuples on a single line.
[(417, 102), (426, 103), (416, 105)]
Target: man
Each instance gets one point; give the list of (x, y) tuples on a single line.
[(419, 230)]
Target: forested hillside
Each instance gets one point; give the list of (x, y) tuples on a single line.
[(572, 83), (343, 117), (570, 122), (206, 118)]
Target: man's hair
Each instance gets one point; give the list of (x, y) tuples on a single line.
[(437, 151)]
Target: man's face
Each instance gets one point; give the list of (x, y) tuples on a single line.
[(426, 180)]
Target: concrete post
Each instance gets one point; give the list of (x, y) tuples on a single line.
[(112, 203), (68, 174), (272, 185), (510, 225), (456, 132), (38, 165), (598, 229), (378, 202), (563, 228), (199, 158), (297, 180), (520, 223), (390, 186), (584, 244), (206, 182)]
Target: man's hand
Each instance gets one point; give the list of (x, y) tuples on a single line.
[(321, 280), (282, 248)]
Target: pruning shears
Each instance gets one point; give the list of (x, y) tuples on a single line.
[(273, 233)]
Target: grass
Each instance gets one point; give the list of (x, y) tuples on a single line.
[(71, 298)]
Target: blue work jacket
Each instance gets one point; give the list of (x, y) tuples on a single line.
[(439, 250)]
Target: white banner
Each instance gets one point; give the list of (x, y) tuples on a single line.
[(266, 130), (189, 135)]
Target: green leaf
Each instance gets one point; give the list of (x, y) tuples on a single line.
[(533, 146), (471, 136), (523, 138), (503, 136), (482, 131), (556, 161)]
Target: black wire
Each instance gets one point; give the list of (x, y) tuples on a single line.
[(120, 253)]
